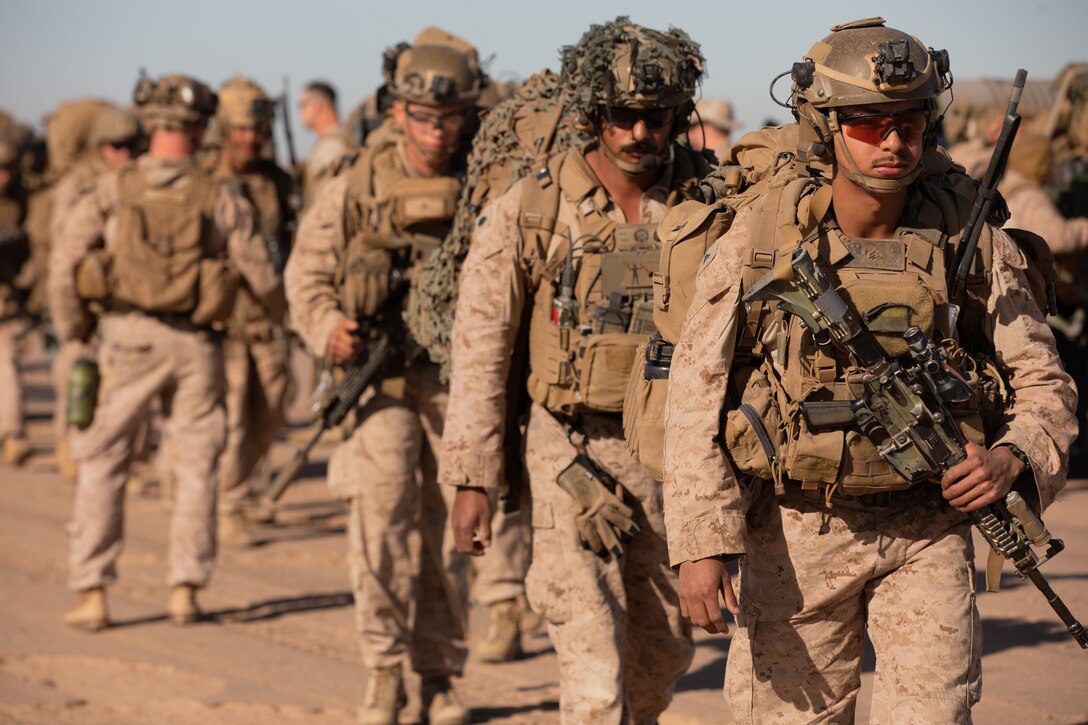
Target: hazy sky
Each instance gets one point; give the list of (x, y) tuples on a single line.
[(52, 50)]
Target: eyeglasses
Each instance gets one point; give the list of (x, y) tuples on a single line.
[(627, 118), (872, 128), (124, 145), (450, 121)]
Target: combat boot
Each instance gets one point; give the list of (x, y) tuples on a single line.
[(89, 614), (503, 640), (259, 510), (16, 450), (440, 704), (233, 530), (182, 607), (528, 620), (66, 467), (385, 697)]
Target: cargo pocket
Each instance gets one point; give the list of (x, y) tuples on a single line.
[(547, 585)]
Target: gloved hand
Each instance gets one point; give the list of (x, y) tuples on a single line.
[(604, 521)]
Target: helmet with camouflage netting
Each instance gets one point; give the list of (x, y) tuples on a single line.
[(174, 102), (439, 69), (244, 103), (864, 63), (621, 64)]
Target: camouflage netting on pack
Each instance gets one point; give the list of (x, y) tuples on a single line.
[(537, 122)]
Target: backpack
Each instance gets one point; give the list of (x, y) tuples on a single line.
[(514, 138)]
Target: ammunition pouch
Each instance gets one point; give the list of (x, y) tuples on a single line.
[(93, 276), (644, 406)]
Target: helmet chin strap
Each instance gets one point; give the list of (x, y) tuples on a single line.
[(646, 163), (876, 186)]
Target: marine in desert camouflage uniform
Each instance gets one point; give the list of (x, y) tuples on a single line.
[(14, 255), (850, 549), (561, 252), (255, 346), (157, 247), (356, 247)]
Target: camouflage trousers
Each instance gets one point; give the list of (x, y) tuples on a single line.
[(815, 581), (11, 385), (501, 574), (259, 389), (615, 624), (409, 582), (140, 359)]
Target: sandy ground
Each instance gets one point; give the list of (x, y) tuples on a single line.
[(279, 646)]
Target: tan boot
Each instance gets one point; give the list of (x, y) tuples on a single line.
[(503, 640), (89, 614), (16, 450), (233, 531), (528, 620), (259, 510), (66, 467), (385, 697), (182, 607), (440, 703)]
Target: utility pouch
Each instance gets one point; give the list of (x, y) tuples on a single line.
[(93, 276), (217, 285)]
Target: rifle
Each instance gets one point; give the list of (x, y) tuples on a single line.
[(383, 341), (284, 103), (904, 411), (987, 193)]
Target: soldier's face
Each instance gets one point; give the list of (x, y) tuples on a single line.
[(884, 139), (631, 133), (433, 130), (245, 143), (117, 154)]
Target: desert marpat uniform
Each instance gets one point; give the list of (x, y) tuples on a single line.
[(144, 355), (388, 467), (615, 622), (321, 164), (255, 347), (1031, 208), (848, 546), (13, 322)]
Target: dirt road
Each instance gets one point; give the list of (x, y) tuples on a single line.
[(280, 647)]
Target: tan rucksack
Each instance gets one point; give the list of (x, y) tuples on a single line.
[(160, 258), (687, 234)]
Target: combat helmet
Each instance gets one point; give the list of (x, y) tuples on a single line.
[(860, 63), (174, 102), (621, 64), (439, 69), (244, 103), (113, 125)]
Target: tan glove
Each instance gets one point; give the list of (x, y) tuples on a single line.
[(366, 282), (604, 521)]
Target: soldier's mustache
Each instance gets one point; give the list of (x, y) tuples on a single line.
[(639, 147)]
